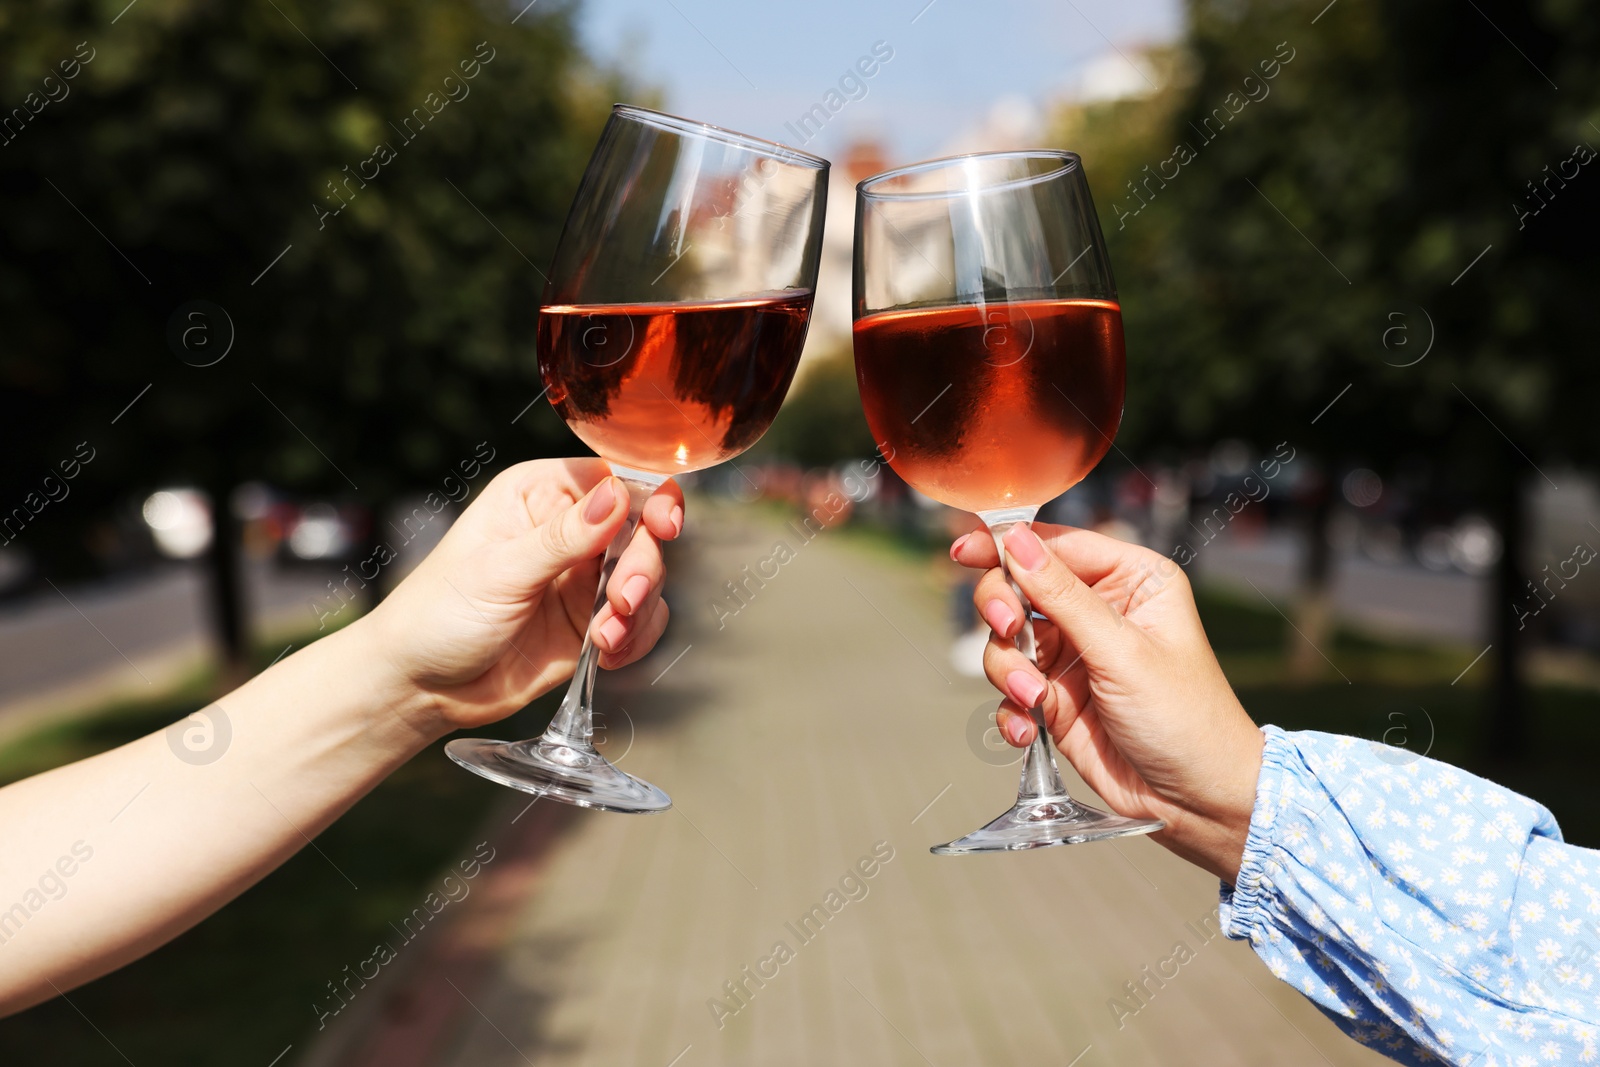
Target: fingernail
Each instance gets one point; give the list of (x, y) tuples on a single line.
[(676, 518), (1024, 688), (612, 631), (1025, 547), (955, 549), (634, 590), (1017, 730), (999, 617), (601, 503)]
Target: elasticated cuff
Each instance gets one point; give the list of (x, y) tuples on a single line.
[(1240, 906)]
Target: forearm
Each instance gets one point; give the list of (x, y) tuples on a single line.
[(109, 857)]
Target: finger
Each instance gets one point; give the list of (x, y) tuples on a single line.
[(547, 483), (1094, 556), (997, 603), (639, 574), (1068, 730), (975, 550), (578, 532), (647, 629), (1091, 556), (1060, 696), (1009, 671), (1051, 653), (611, 632), (1085, 619), (575, 591), (1015, 724), (663, 512)]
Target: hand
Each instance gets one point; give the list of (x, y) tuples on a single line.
[(1132, 693), (496, 614)]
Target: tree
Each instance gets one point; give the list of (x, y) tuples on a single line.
[(1342, 168), (821, 423), (363, 192)]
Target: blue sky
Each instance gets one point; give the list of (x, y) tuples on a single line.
[(754, 66)]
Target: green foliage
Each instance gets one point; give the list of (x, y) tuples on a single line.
[(821, 423), (201, 141), (1355, 191), (1358, 181), (1402, 694)]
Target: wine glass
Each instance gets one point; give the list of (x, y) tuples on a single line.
[(988, 345), (671, 324)]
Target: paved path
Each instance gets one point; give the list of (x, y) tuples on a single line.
[(1404, 599), (821, 720)]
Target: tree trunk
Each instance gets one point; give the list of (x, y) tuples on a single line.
[(1508, 711), (225, 589), (1314, 608), (377, 530)]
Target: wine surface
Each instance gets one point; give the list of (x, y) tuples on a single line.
[(672, 387), (997, 405)]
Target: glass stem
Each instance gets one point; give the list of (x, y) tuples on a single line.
[(1041, 780), (573, 724)]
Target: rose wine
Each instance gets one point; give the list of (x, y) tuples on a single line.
[(672, 387), (994, 405)]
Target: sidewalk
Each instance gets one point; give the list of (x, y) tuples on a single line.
[(819, 734)]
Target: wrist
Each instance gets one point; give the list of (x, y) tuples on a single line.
[(1213, 835), (1236, 801), (402, 713)]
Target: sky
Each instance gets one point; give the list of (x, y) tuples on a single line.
[(754, 66)]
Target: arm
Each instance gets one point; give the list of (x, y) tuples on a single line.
[(110, 857), (1432, 914)]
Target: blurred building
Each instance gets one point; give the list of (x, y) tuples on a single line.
[(831, 315), (1013, 122)]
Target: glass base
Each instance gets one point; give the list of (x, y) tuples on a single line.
[(572, 774), (1042, 823)]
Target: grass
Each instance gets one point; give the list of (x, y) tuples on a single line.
[(1401, 693), (239, 987)]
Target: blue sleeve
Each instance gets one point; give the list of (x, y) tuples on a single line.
[(1433, 915)]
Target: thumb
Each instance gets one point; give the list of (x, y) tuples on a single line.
[(1059, 594), (579, 532)]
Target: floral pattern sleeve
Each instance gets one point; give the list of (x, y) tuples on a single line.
[(1433, 915)]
